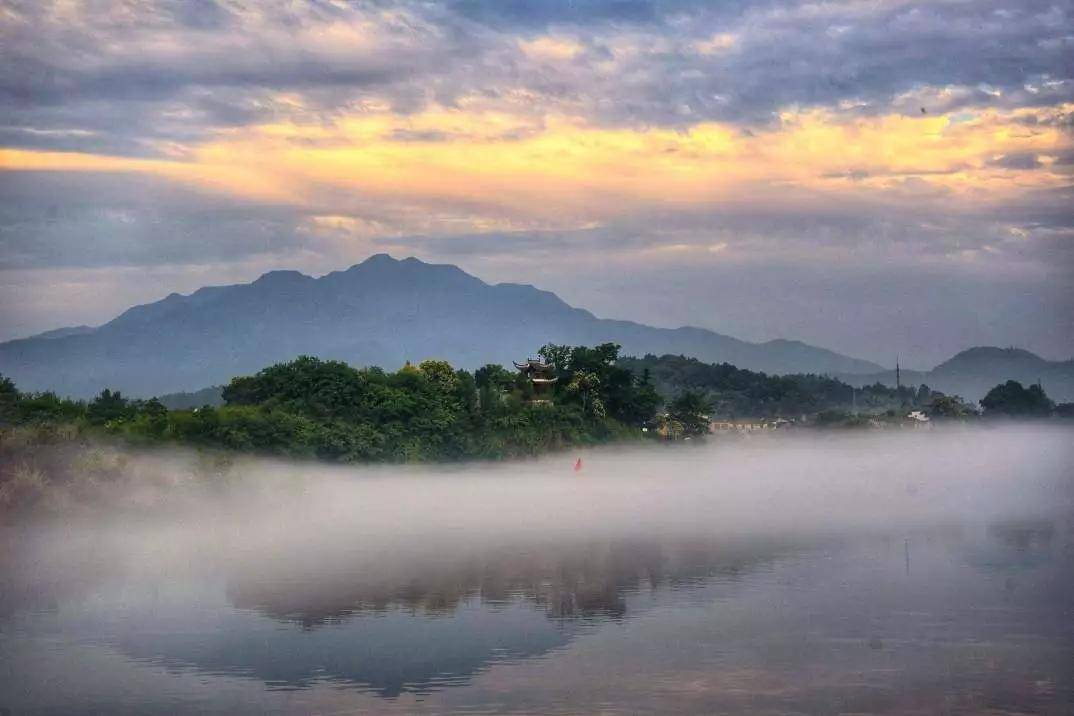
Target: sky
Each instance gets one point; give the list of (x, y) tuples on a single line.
[(879, 177)]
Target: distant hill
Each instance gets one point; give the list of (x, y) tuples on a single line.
[(382, 311), (973, 372)]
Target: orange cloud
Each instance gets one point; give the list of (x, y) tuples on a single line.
[(227, 177), (565, 172), (550, 48)]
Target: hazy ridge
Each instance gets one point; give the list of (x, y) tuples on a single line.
[(385, 312), (972, 372)]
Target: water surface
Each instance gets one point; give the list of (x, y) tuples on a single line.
[(899, 574)]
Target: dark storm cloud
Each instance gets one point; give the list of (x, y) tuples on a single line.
[(161, 72), (812, 54), (207, 65), (877, 56)]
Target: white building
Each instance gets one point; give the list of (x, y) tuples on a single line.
[(918, 419)]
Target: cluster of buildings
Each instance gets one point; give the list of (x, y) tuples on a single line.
[(915, 420), (750, 426)]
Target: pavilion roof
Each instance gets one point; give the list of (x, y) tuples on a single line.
[(534, 364)]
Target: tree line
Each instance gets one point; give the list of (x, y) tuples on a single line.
[(314, 408), (329, 410), (730, 392)]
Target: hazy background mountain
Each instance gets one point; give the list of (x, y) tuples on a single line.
[(213, 395), (973, 372), (379, 312)]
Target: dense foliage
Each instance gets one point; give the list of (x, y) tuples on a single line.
[(1013, 399), (595, 380)]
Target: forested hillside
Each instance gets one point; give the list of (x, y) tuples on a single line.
[(736, 392)]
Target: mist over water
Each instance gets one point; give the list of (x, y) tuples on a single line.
[(818, 572)]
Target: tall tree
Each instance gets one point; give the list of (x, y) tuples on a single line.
[(1013, 399), (691, 410), (107, 407), (586, 386)]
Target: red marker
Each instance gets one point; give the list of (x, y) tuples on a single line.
[(578, 465)]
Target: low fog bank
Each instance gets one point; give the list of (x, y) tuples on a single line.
[(373, 534), (814, 482), (826, 481)]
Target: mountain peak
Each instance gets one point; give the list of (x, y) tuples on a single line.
[(382, 272), (383, 260), (991, 354), (282, 277), (997, 351)]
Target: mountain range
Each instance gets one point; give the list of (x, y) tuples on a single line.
[(385, 312), (382, 312)]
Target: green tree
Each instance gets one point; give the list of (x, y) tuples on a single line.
[(439, 373), (669, 427), (637, 405), (616, 392), (691, 409), (556, 355), (493, 381), (586, 386), (465, 390), (494, 375), (9, 398), (47, 406), (1012, 399), (949, 406), (107, 407), (156, 417)]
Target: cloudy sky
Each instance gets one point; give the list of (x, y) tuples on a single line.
[(873, 176)]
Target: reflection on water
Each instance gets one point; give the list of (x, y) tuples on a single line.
[(956, 616), (394, 651), (981, 621), (387, 625)]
